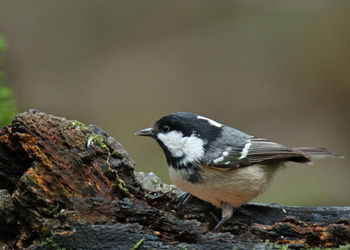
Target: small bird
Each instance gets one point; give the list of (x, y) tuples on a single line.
[(219, 164)]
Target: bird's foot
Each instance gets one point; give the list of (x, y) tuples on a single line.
[(227, 211)]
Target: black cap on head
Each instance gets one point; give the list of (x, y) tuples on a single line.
[(188, 124)]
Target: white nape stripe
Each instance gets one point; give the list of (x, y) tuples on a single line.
[(191, 148), (212, 122), (245, 150)]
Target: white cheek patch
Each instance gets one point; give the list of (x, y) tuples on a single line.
[(190, 148), (212, 122), (172, 140)]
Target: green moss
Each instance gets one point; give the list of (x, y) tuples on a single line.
[(78, 124), (51, 243), (121, 186), (272, 245), (285, 247), (98, 140), (138, 244)]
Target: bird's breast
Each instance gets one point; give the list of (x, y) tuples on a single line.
[(233, 186)]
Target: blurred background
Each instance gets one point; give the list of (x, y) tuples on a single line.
[(274, 69)]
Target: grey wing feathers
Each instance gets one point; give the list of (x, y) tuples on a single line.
[(317, 153), (237, 149), (255, 150), (262, 150)]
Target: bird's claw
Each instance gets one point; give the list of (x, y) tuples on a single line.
[(220, 223)]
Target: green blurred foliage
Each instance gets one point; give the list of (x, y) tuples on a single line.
[(7, 103), (2, 48)]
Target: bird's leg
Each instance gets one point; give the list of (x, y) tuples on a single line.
[(183, 198), (227, 211)]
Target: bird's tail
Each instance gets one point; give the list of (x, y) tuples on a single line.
[(317, 153)]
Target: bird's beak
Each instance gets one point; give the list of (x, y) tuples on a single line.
[(146, 132)]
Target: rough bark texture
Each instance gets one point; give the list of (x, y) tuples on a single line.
[(67, 185)]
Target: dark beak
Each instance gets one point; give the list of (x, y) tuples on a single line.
[(146, 132)]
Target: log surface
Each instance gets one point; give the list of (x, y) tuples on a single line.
[(67, 185)]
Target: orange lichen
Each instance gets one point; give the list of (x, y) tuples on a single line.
[(30, 144), (4, 139), (40, 180), (320, 232), (296, 242)]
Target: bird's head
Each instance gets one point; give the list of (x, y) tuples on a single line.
[(184, 137)]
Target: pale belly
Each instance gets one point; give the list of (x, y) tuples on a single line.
[(235, 186)]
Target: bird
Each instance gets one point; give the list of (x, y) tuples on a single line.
[(220, 164)]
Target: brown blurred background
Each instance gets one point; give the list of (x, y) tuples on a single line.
[(275, 69)]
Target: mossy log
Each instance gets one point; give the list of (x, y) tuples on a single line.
[(67, 185)]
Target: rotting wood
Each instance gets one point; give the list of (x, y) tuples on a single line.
[(67, 185)]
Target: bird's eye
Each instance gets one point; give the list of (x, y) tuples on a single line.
[(165, 129)]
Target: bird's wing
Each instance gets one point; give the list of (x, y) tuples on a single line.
[(253, 151)]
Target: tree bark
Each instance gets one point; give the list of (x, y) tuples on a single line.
[(67, 185)]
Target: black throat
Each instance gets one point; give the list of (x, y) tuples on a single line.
[(191, 172)]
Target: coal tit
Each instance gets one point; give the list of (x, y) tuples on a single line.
[(219, 164)]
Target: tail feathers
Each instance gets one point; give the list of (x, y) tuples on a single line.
[(317, 153)]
